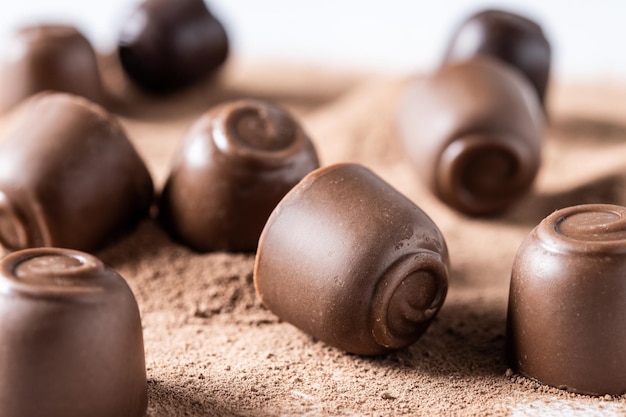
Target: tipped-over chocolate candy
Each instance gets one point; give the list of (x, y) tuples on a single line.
[(72, 343), (166, 45), (235, 164), (348, 259), (474, 131), (514, 39), (48, 57), (567, 304), (69, 177)]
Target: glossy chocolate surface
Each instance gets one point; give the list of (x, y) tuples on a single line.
[(566, 303), (514, 39), (71, 337), (69, 177), (473, 131), (235, 164), (48, 57), (351, 261), (167, 45)]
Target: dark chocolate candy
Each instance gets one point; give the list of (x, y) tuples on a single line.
[(69, 177), (235, 164), (72, 343), (474, 131), (48, 57), (514, 39), (567, 305), (167, 45), (348, 259)]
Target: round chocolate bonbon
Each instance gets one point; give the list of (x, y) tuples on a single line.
[(235, 164), (348, 259), (474, 132), (168, 45), (48, 57), (69, 177), (566, 304), (72, 342), (514, 39)]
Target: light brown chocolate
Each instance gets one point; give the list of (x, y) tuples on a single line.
[(351, 261)]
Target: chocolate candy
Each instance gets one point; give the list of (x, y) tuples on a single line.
[(167, 45), (235, 164), (567, 305), (348, 259), (69, 177), (473, 131), (72, 343), (48, 57), (512, 38)]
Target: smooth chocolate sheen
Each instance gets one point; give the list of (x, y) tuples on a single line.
[(474, 131), (348, 259), (235, 164), (69, 177), (48, 57), (167, 45), (514, 39), (566, 304), (71, 338)]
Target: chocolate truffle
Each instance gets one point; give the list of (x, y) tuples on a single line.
[(48, 57), (167, 45), (474, 131), (72, 343), (512, 38), (69, 177), (235, 164), (566, 303), (348, 259)]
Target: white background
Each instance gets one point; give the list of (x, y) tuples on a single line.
[(588, 37)]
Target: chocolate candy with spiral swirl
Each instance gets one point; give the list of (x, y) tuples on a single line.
[(512, 38), (567, 305), (167, 45), (69, 177), (235, 164), (473, 131), (72, 342), (348, 259)]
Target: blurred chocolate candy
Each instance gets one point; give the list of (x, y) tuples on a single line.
[(474, 132), (48, 57), (72, 343), (69, 177), (351, 261), (167, 45), (566, 304), (235, 164), (514, 39)]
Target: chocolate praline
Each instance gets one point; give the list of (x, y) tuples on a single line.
[(565, 324), (48, 57), (510, 37), (168, 45), (473, 131), (69, 177), (348, 259), (71, 337), (235, 164)]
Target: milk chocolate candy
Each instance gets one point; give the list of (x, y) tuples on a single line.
[(235, 164), (566, 303), (474, 131), (71, 337), (48, 57), (512, 38), (167, 45), (69, 177), (351, 261)]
